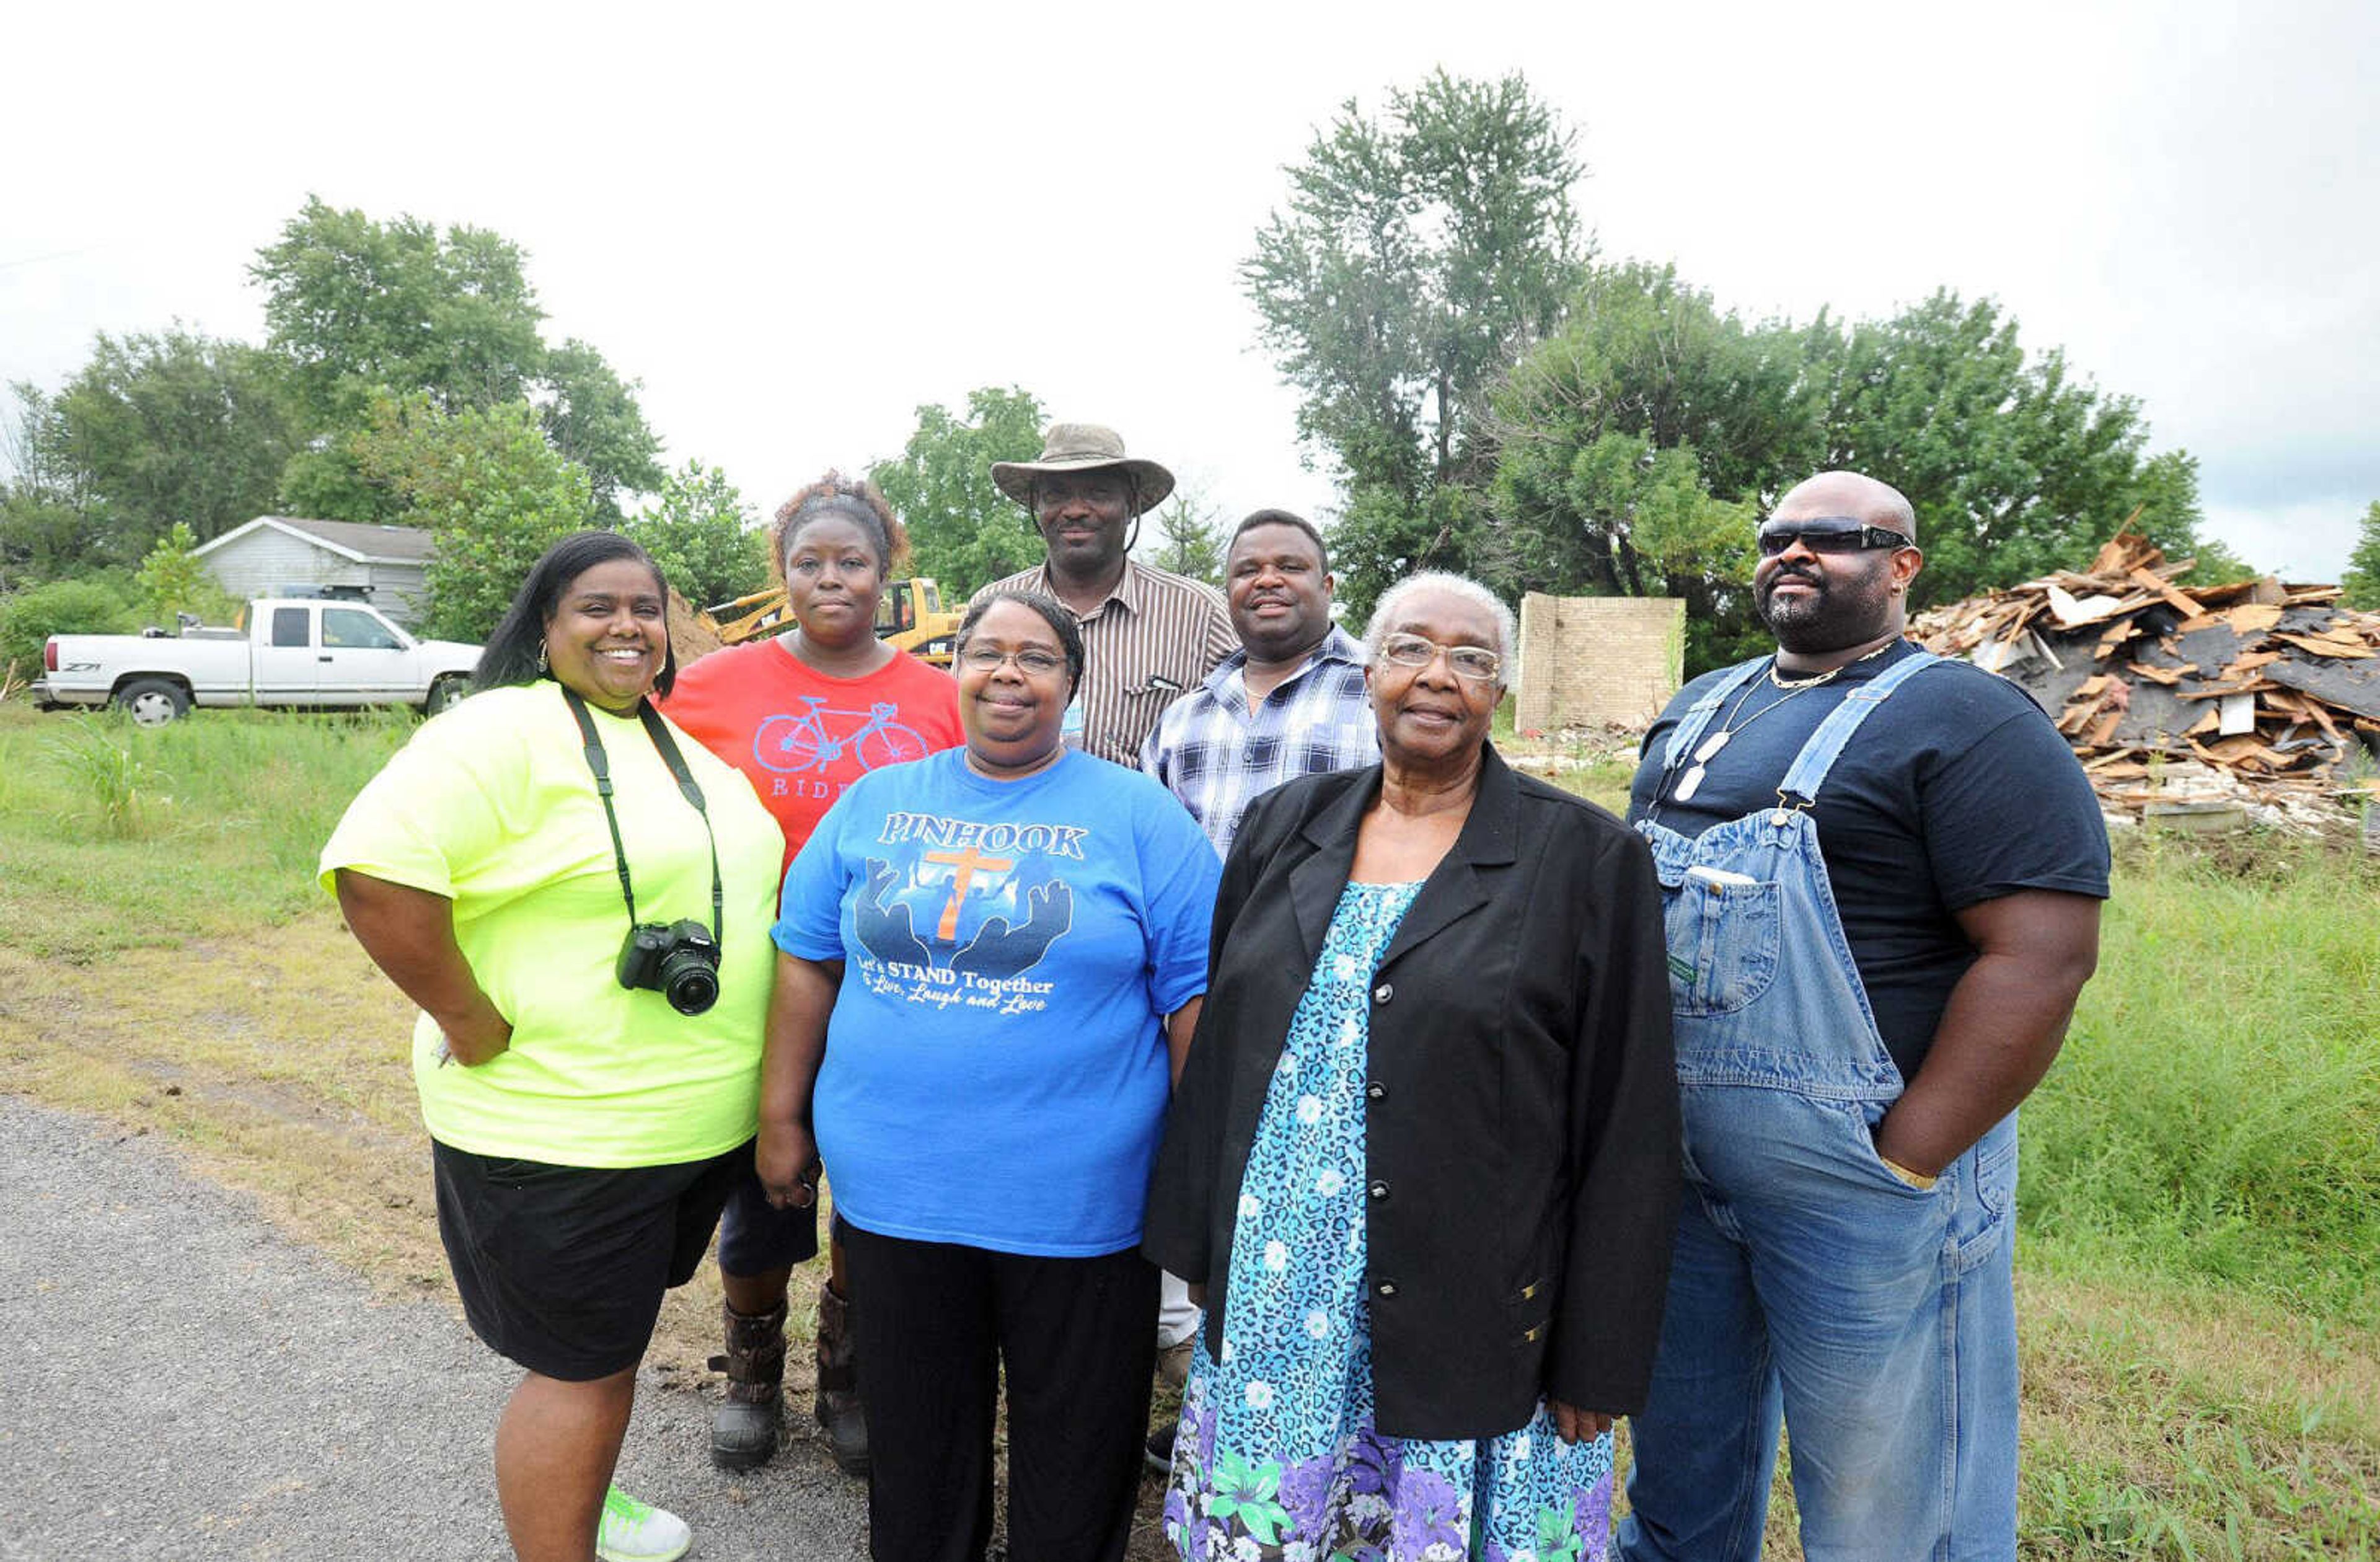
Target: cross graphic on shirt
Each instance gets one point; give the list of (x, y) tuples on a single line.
[(966, 862)]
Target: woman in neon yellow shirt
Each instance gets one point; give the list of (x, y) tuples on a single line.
[(579, 898)]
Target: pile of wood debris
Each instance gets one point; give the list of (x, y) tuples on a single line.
[(2245, 699)]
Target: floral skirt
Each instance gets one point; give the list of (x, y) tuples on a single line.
[(1526, 1497), (1277, 1456)]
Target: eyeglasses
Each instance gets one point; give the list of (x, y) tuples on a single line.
[(1479, 664), (1032, 661), (1828, 534)]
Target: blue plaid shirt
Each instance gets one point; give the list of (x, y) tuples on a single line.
[(1218, 756)]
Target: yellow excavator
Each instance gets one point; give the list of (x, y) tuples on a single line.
[(910, 616)]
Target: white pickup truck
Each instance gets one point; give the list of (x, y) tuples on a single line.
[(280, 651)]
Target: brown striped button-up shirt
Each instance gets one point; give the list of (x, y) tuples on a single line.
[(1155, 638)]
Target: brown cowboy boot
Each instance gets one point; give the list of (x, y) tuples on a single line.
[(838, 1384), (743, 1430)]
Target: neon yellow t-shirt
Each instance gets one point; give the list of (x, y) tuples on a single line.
[(492, 805)]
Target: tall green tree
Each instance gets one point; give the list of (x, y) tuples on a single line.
[(1189, 541), (357, 305), (963, 531), (1640, 351), (172, 428), (1616, 515), (2362, 577), (703, 535), (592, 418), (359, 308), (1633, 449), (2014, 463), (50, 522), (1418, 253), (486, 481)]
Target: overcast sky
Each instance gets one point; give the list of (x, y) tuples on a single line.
[(796, 223)]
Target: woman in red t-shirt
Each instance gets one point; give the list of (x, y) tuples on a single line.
[(804, 715)]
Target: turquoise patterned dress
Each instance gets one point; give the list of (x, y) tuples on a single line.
[(1276, 1455)]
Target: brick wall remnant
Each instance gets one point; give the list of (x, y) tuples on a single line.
[(1588, 661)]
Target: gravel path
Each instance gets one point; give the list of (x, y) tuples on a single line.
[(178, 1380)]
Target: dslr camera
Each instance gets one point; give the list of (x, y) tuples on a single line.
[(679, 961)]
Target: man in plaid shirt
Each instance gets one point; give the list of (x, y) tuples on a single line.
[(1290, 701)]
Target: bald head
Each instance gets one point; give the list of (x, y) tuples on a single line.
[(1850, 494)]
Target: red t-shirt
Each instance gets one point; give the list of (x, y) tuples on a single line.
[(803, 736)]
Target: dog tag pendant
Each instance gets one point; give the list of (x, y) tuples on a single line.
[(1687, 784), (1710, 746)]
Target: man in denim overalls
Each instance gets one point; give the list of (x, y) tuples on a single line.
[(1882, 875)]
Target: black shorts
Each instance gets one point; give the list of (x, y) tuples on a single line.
[(562, 1268), (754, 1237)]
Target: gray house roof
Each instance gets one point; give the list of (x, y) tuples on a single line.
[(365, 544)]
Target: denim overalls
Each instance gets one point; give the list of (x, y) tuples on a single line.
[(1879, 1317)]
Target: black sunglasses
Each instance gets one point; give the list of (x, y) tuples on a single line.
[(1828, 534)]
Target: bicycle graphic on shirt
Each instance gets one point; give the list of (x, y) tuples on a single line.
[(791, 744)]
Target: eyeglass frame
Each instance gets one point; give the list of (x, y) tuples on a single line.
[(1837, 529), (1438, 649), (966, 657)]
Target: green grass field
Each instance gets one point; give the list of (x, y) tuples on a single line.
[(2199, 1255)]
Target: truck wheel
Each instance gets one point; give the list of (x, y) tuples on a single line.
[(444, 692), (153, 701)]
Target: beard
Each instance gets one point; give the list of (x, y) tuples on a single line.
[(1830, 615)]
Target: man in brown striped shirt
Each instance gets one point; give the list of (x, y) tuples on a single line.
[(1150, 636)]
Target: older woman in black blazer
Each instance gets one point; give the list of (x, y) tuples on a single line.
[(1424, 1156)]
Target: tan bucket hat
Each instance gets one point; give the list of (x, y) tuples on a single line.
[(1081, 448)]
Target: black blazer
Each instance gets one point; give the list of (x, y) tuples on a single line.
[(1521, 1115)]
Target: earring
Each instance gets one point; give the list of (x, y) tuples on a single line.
[(540, 658)]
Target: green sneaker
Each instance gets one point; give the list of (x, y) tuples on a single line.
[(637, 1531)]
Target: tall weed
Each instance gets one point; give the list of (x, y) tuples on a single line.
[(2215, 1109), (98, 758), (255, 795)]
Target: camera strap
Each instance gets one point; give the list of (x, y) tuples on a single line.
[(599, 763)]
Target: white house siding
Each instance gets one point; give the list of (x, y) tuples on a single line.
[(397, 591), (268, 561)]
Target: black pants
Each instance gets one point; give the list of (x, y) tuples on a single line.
[(935, 1324)]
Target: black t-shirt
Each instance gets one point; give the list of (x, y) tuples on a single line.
[(1956, 790)]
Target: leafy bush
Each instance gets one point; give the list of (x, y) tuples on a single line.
[(704, 536), (88, 605), (171, 580), (491, 488)]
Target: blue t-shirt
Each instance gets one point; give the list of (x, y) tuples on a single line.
[(1957, 790), (995, 1070)]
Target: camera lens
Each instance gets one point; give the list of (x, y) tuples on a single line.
[(689, 982)]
